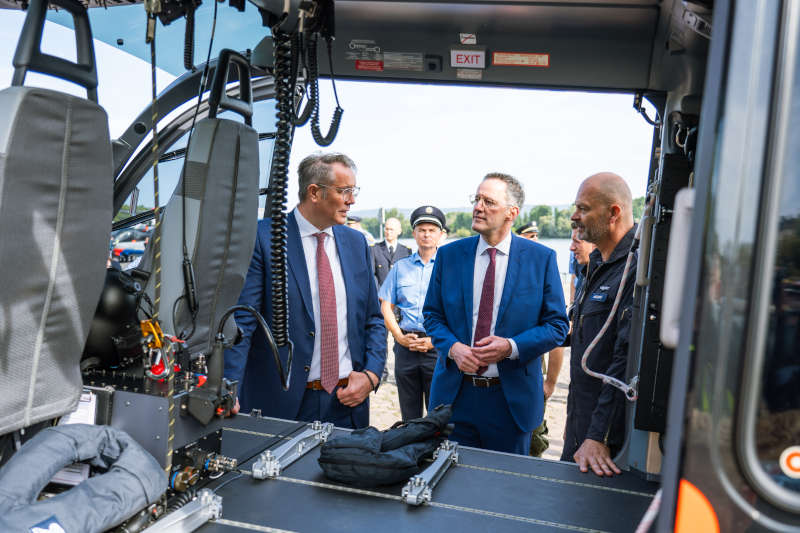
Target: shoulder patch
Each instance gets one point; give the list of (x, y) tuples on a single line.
[(49, 525)]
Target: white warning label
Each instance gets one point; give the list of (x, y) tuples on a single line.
[(363, 49), (467, 38), (469, 74), (403, 61)]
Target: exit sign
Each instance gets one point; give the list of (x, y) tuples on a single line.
[(468, 58)]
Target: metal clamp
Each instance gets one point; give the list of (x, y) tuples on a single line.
[(419, 488), (270, 463), (206, 506)]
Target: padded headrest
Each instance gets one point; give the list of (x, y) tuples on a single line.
[(221, 174), (55, 213)]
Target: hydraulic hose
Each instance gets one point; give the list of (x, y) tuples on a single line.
[(285, 376), (279, 184), (630, 391)]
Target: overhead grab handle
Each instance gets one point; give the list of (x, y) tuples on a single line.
[(219, 97), (29, 55)]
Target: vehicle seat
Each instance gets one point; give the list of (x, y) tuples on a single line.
[(221, 173), (55, 218)]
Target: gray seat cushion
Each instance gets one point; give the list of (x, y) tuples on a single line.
[(221, 172), (55, 218)]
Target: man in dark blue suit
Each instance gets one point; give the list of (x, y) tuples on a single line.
[(494, 306), (335, 321)]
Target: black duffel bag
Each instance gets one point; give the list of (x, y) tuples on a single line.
[(369, 458)]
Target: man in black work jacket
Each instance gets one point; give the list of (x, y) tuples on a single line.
[(596, 412)]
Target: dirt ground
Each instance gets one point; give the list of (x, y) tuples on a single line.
[(385, 407)]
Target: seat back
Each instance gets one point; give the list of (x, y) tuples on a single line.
[(55, 218), (221, 209)]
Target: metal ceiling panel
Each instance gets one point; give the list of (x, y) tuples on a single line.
[(605, 45)]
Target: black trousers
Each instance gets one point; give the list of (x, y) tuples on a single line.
[(413, 372)]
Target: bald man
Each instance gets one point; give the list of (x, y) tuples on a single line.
[(387, 252), (596, 412)]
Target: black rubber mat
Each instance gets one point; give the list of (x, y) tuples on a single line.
[(486, 491)]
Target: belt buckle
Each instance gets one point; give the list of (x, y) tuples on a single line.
[(480, 381)]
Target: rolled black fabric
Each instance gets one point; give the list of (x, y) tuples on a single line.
[(369, 458)]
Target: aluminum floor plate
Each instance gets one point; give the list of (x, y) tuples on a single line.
[(487, 491)]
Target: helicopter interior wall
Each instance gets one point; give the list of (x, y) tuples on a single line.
[(581, 46), (598, 45)]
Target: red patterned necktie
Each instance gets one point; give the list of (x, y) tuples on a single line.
[(329, 339), (484, 325)]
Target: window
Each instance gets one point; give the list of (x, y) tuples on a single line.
[(769, 421), (778, 421)]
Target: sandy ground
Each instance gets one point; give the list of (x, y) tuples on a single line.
[(385, 407)]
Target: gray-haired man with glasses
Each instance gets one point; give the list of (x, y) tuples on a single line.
[(494, 305), (335, 320)]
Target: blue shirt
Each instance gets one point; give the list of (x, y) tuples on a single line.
[(405, 287)]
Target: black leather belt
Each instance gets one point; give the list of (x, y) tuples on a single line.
[(419, 334), (481, 382)]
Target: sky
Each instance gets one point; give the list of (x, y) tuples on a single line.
[(415, 144)]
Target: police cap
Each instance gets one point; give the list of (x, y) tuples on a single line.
[(428, 213), (530, 227)]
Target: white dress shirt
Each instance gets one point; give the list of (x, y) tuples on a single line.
[(307, 231), (500, 268)]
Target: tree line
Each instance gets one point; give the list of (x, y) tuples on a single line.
[(553, 222)]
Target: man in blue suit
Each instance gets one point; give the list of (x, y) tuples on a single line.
[(335, 321), (494, 306)]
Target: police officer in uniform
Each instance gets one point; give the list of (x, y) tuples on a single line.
[(529, 231), (404, 289)]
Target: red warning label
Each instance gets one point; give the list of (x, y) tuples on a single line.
[(375, 66), (520, 59)]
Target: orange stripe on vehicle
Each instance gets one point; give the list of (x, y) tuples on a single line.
[(695, 513)]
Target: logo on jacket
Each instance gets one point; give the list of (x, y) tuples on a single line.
[(49, 525)]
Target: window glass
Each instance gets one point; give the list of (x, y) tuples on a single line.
[(171, 166), (778, 424)]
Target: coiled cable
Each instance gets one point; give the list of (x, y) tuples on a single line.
[(181, 499), (279, 184), (313, 94), (188, 39)]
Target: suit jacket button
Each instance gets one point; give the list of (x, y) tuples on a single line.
[(310, 333), (307, 368)]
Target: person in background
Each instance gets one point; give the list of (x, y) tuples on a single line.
[(530, 231), (354, 222), (335, 321), (579, 251), (550, 369), (404, 289), (595, 430), (494, 306), (387, 252)]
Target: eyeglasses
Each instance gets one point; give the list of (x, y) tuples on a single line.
[(344, 191), (475, 199)]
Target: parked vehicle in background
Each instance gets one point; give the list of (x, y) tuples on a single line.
[(129, 243)]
